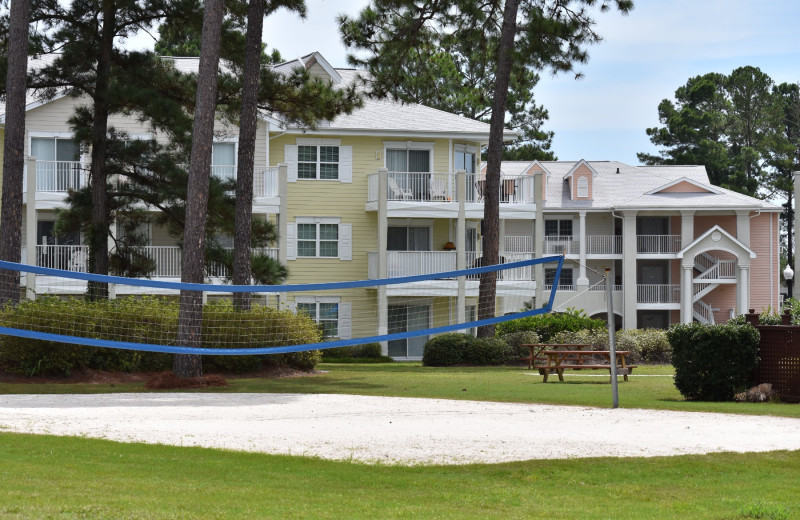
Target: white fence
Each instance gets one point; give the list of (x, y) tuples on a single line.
[(412, 263), (60, 176), (441, 187), (604, 245)]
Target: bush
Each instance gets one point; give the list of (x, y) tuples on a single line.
[(445, 350), (487, 352), (146, 320), (713, 362), (649, 346), (548, 325), (515, 340), (367, 350)]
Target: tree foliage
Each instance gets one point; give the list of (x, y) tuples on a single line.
[(504, 44), (730, 124)]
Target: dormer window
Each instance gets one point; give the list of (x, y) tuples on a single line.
[(583, 187)]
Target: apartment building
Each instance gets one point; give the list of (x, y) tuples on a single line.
[(679, 248), (397, 189)]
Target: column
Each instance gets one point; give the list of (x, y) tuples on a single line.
[(538, 236), (30, 228), (383, 225), (687, 293), (687, 228), (461, 244), (583, 280), (742, 289), (283, 219), (629, 269), (796, 222)]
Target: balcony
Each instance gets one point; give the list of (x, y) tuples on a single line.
[(595, 245), (412, 263), (658, 293), (658, 244), (441, 187), (168, 259)]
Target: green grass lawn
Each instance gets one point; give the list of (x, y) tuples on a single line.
[(66, 478), (51, 477), (650, 387)]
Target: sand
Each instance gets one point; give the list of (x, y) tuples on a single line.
[(391, 430)]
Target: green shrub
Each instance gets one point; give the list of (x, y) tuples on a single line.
[(487, 352), (548, 325), (713, 362), (367, 350), (445, 350), (597, 339), (146, 320), (515, 340), (648, 346)]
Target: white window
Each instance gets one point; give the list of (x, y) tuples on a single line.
[(565, 281), (223, 160), (583, 187), (332, 315), (58, 166), (318, 162), (318, 237), (319, 159), (408, 156)]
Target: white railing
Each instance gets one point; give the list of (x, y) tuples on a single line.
[(411, 263), (549, 287), (518, 244), (723, 269), (168, 261), (658, 244), (224, 172), (658, 293), (604, 245), (60, 176), (703, 312), (557, 245), (68, 257), (265, 182), (602, 287), (441, 187)]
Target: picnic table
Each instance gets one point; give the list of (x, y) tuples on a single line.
[(558, 358)]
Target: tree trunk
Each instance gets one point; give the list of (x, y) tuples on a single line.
[(190, 318), (14, 146), (491, 203), (98, 231), (242, 272)]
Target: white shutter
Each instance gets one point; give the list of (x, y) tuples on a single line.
[(290, 158), (346, 164), (345, 241), (345, 320), (291, 241)]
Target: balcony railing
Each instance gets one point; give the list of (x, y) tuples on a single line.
[(658, 244), (604, 245), (60, 176), (658, 293), (412, 263), (265, 182), (441, 187), (168, 259), (518, 244), (558, 245)]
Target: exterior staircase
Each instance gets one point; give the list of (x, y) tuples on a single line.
[(713, 272)]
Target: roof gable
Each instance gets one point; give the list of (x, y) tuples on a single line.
[(684, 185)]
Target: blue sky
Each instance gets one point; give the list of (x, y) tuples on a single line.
[(644, 58)]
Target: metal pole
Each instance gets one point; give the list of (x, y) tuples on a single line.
[(612, 347)]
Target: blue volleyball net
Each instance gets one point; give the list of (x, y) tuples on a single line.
[(402, 312)]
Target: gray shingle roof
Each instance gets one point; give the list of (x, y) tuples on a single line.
[(628, 189)]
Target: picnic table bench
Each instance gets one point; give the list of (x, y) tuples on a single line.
[(575, 357)]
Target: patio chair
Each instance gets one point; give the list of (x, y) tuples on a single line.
[(438, 189), (398, 192)]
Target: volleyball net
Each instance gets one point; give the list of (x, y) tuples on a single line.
[(142, 314)]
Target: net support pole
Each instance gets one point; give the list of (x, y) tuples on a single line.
[(612, 347), (383, 224), (30, 230), (461, 243)]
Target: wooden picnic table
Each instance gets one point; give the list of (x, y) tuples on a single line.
[(575, 357)]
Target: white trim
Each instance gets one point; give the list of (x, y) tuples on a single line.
[(409, 222), (317, 141), (54, 133), (408, 145), (336, 78), (318, 220), (706, 187), (465, 148), (317, 299), (577, 165)]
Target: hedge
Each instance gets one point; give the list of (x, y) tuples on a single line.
[(548, 325), (713, 362), (146, 320)]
